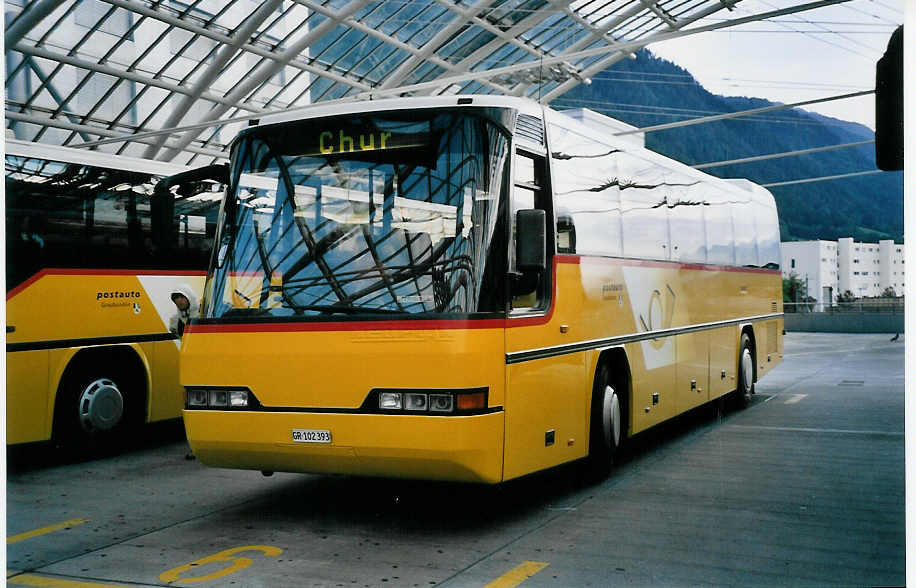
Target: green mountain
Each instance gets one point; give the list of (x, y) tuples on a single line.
[(649, 90)]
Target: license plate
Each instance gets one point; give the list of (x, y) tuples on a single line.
[(311, 436)]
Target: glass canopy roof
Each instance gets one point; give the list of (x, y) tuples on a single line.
[(175, 81)]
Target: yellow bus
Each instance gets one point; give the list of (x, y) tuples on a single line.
[(469, 288), (91, 326)]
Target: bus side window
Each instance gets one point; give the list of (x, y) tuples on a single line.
[(720, 241), (644, 207), (529, 192), (184, 212), (767, 234), (585, 187), (25, 246)]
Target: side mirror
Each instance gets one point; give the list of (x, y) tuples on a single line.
[(163, 203), (531, 240), (889, 105)]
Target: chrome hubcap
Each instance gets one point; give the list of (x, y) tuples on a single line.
[(101, 406), (747, 371), (611, 410)]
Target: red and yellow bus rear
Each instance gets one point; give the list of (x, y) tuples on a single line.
[(92, 326)]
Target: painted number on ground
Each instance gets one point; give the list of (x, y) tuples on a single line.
[(45, 530), (228, 556), (518, 575)]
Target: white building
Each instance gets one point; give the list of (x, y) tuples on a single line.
[(815, 263), (830, 268)]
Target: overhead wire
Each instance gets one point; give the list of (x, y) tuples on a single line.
[(755, 119), (891, 8), (860, 11), (802, 19), (786, 85)]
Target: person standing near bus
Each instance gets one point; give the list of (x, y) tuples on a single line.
[(187, 304)]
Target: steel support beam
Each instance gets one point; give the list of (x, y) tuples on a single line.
[(603, 64), (91, 130), (432, 46), (358, 26), (176, 22), (469, 15), (824, 178), (741, 113), (265, 72), (121, 73), (46, 82), (660, 13), (595, 34), (513, 33), (31, 15), (619, 47), (783, 154), (224, 55)]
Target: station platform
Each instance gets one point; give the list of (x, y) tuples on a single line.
[(803, 488)]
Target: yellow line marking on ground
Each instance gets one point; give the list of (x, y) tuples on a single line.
[(794, 399), (45, 530), (518, 575), (44, 582)]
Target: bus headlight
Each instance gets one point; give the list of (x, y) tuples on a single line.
[(197, 397), (389, 401), (434, 402), (414, 401), (441, 403), (219, 399), (238, 398)]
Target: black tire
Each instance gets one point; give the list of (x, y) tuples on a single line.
[(93, 404), (608, 424), (746, 369)]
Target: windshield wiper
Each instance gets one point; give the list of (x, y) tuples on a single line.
[(254, 311), (332, 309)]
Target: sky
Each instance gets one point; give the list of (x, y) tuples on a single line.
[(814, 54)]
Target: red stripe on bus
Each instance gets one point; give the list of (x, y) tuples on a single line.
[(98, 272), (296, 327)]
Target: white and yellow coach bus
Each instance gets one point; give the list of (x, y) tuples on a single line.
[(89, 345), (469, 288)]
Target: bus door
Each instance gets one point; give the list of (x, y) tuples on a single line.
[(545, 423)]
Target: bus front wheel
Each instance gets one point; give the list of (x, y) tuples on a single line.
[(607, 424)]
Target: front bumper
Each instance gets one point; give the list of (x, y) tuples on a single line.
[(456, 448)]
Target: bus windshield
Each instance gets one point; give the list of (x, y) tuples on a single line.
[(392, 213)]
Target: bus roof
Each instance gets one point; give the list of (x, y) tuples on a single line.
[(391, 104), (522, 105)]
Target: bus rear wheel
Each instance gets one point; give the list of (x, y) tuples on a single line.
[(745, 373), (100, 406), (607, 424), (92, 406)]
